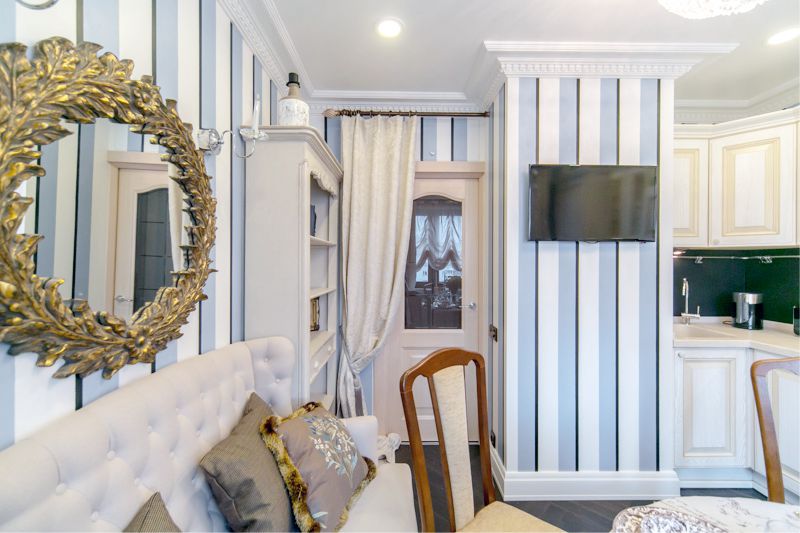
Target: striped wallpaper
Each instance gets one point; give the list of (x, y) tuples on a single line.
[(581, 318), (197, 57)]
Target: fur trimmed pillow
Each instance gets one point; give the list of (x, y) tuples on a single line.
[(320, 465)]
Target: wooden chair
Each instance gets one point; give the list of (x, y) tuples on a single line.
[(766, 423), (445, 371)]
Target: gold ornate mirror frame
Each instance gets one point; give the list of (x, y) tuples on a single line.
[(69, 82)]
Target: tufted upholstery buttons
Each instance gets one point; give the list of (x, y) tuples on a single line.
[(61, 488), (95, 516), (110, 455), (149, 429), (172, 455), (137, 481)]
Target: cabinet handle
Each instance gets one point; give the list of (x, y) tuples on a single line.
[(679, 354), (330, 348)]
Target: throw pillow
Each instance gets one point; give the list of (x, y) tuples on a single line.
[(320, 465), (153, 516), (244, 477)]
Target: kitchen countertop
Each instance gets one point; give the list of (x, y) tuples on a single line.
[(713, 334)]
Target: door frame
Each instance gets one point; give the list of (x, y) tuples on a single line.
[(382, 370), (102, 264)]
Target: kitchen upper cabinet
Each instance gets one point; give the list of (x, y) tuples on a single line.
[(690, 192), (753, 177), (712, 424), (784, 391)]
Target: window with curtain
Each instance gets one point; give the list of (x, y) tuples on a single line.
[(433, 270)]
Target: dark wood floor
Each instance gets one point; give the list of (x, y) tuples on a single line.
[(567, 515)]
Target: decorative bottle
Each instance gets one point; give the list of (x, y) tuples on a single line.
[(292, 110)]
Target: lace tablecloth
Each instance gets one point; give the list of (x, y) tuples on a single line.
[(695, 514)]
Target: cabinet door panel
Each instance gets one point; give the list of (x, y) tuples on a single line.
[(753, 179), (690, 193), (712, 427)]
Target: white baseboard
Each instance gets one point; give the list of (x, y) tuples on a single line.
[(716, 484), (530, 486)]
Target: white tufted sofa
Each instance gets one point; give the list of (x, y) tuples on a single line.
[(93, 469)]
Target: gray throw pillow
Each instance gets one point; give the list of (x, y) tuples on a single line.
[(153, 516), (244, 477), (320, 465)]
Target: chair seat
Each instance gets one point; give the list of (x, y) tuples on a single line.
[(499, 516)]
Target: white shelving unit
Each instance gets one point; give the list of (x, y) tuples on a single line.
[(286, 266)]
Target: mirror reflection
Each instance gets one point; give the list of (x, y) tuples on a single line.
[(110, 215)]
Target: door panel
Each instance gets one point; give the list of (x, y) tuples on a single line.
[(441, 298)]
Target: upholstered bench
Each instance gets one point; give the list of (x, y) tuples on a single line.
[(93, 469)]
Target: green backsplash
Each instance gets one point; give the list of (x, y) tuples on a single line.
[(712, 282)]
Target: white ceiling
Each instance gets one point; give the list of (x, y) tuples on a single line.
[(334, 46)]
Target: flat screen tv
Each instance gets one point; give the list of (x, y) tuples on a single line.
[(592, 203)]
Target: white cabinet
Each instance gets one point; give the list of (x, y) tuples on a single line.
[(752, 188), (713, 428), (690, 192), (784, 391), (291, 253)]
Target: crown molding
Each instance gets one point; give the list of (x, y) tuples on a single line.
[(318, 107), (729, 127), (389, 95), (594, 68), (583, 47), (288, 44), (246, 20), (785, 95)]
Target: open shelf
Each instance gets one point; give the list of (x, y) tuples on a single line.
[(321, 291), (317, 340), (316, 241)]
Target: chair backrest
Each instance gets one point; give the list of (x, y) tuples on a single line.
[(766, 422), (445, 371)]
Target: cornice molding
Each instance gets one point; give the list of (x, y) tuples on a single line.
[(389, 95), (783, 96), (288, 44), (766, 120), (595, 67), (240, 14), (310, 136), (318, 107)]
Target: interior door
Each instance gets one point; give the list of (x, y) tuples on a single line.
[(441, 303), (144, 248)]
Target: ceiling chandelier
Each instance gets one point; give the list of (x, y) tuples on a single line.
[(703, 9)]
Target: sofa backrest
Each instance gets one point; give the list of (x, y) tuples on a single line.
[(93, 469)]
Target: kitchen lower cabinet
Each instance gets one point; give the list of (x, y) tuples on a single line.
[(713, 421)]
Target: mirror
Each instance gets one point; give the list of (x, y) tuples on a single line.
[(110, 217), (104, 250)]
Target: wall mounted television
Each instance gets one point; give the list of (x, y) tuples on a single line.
[(592, 203)]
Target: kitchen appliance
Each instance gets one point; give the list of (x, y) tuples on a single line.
[(748, 310)]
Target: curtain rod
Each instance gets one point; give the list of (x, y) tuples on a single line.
[(330, 113)]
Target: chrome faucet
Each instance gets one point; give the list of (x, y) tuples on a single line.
[(686, 316)]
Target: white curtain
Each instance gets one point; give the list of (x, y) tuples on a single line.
[(378, 194), (438, 240)]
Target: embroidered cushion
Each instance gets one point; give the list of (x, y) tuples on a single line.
[(320, 464), (244, 477), (152, 516)]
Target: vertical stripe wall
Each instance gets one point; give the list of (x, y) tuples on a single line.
[(581, 353), (198, 58)]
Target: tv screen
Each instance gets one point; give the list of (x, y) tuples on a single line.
[(592, 203)]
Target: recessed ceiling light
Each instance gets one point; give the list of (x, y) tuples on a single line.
[(389, 28), (784, 36)]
